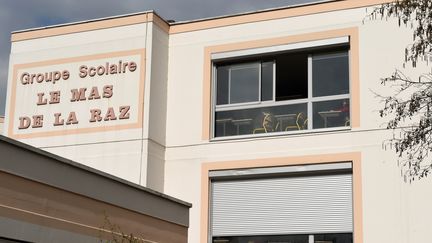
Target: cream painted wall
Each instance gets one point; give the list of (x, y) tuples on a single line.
[(136, 155), (65, 46), (123, 159), (157, 108), (393, 211), (159, 81), (122, 153)]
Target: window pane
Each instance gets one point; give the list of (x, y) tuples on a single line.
[(334, 113), (291, 76), (261, 120), (330, 74), (267, 81), (222, 85), (244, 84), (266, 239), (333, 238)]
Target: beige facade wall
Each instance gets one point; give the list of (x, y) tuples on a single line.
[(391, 210), (119, 146), (88, 148), (157, 108)]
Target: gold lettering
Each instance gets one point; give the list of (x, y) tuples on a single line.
[(124, 67), (25, 78), (39, 78), (113, 69), (107, 91), (94, 94), (24, 122), (32, 76), (57, 120), (56, 76), (92, 71), (124, 112), (100, 70), (48, 77), (55, 97), (66, 75), (41, 100), (37, 121), (71, 119), (132, 66), (78, 95), (83, 71), (95, 115), (110, 115)]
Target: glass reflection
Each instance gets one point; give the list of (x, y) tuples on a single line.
[(318, 238), (330, 74), (244, 81), (333, 238), (261, 120), (263, 239), (334, 113)]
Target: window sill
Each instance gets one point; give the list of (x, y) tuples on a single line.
[(281, 134)]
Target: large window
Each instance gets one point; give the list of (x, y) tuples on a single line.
[(317, 238), (284, 91)]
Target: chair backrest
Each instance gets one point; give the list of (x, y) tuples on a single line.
[(269, 122), (301, 121)]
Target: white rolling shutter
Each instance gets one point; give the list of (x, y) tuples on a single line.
[(279, 206)]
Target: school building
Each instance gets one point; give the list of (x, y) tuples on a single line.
[(267, 122)]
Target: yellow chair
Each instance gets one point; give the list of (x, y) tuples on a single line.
[(305, 124), (347, 122), (300, 124), (267, 124)]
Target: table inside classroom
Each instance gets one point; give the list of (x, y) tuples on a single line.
[(328, 114), (223, 122), (241, 122), (285, 119)]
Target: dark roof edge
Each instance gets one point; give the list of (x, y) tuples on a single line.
[(90, 169), (61, 173)]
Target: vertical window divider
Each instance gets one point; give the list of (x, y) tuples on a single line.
[(260, 81), (274, 80), (210, 219), (310, 93), (311, 239), (350, 91), (213, 100), (229, 85)]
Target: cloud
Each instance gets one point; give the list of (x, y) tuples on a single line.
[(21, 14)]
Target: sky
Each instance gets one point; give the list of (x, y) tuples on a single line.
[(24, 14)]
